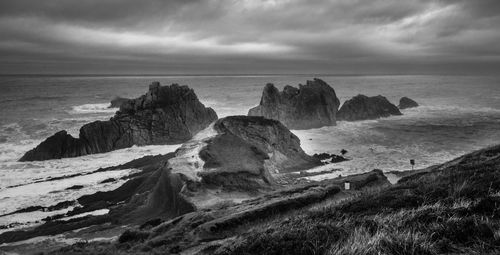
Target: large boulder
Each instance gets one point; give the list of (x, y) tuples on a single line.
[(406, 102), (362, 107), (312, 105), (164, 115)]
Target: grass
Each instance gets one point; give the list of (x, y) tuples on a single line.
[(455, 210), (425, 229)]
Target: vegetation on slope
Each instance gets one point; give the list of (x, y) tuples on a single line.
[(453, 208)]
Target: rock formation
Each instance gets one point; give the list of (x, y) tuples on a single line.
[(362, 107), (405, 103), (164, 115), (310, 106), (239, 153), (117, 102), (330, 158)]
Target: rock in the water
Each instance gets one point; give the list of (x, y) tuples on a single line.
[(330, 158), (117, 102), (312, 105), (164, 115), (406, 102), (362, 107)]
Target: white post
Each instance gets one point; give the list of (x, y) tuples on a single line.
[(347, 185)]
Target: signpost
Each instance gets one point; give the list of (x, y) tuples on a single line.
[(412, 163)]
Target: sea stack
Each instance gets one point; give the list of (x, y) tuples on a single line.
[(312, 105), (362, 107), (164, 115), (405, 103)]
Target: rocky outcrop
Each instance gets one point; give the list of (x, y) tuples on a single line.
[(406, 102), (330, 158), (117, 102), (241, 154), (164, 115), (362, 107), (268, 137), (310, 106)]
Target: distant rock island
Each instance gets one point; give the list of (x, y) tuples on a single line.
[(315, 105), (406, 102), (362, 107), (312, 105), (164, 115)]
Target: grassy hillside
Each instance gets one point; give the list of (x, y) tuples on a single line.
[(452, 208)]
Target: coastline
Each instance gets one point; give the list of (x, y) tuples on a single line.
[(328, 192)]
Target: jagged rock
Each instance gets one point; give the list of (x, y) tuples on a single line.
[(332, 158), (117, 102), (406, 102), (164, 115), (362, 107), (271, 138), (239, 153), (310, 106), (338, 159)]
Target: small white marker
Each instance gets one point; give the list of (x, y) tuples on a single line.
[(347, 185)]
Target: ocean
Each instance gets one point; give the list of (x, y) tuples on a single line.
[(457, 114)]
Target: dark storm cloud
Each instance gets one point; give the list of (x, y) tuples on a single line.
[(118, 13), (247, 36)]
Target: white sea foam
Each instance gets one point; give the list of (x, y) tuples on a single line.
[(94, 213), (428, 135), (39, 239), (93, 108), (16, 173), (28, 219), (52, 192), (25, 192)]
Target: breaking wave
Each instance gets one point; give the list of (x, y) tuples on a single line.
[(92, 108)]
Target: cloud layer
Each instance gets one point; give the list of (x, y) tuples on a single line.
[(249, 36)]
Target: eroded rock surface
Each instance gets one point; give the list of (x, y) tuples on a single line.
[(312, 105), (236, 157), (362, 107)]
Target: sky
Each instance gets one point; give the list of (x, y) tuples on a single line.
[(249, 36)]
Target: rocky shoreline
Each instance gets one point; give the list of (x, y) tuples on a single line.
[(176, 183), (222, 226)]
